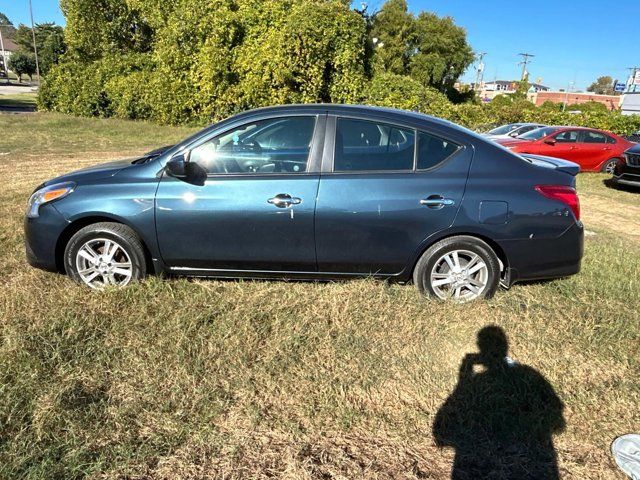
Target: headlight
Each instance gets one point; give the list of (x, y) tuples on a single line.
[(46, 195)]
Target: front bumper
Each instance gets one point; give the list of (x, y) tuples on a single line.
[(627, 171), (41, 236), (537, 259), (627, 179)]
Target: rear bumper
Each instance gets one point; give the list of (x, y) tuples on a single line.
[(537, 259), (41, 236)]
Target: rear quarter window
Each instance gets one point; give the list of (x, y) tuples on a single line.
[(433, 150)]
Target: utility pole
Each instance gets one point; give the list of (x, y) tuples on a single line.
[(480, 74), (35, 48), (525, 61), (566, 96)]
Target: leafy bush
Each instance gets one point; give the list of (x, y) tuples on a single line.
[(196, 61)]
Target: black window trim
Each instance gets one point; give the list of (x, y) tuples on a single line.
[(314, 158), (328, 157)]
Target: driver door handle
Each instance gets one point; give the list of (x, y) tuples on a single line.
[(436, 201), (284, 200)]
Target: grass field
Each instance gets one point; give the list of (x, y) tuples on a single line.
[(199, 379), (19, 100)]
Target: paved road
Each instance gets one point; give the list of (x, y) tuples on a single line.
[(15, 89)]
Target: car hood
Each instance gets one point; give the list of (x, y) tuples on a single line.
[(635, 149), (109, 169)]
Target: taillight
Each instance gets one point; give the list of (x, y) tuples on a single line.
[(566, 195)]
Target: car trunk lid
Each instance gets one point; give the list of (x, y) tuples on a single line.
[(553, 163)]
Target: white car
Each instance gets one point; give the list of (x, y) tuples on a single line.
[(511, 130)]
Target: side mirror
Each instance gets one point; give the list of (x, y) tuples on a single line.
[(176, 166), (514, 134), (550, 141)]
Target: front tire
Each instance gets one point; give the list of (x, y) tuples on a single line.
[(105, 254), (459, 269)]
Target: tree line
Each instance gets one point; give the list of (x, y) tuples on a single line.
[(200, 60)]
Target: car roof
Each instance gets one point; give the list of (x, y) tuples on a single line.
[(335, 108)]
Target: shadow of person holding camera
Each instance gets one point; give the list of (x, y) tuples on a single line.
[(501, 416)]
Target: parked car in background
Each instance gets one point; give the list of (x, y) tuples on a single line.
[(316, 192), (511, 130), (627, 170), (594, 150), (634, 137)]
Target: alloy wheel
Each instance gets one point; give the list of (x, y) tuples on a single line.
[(101, 262), (459, 275), (610, 167)]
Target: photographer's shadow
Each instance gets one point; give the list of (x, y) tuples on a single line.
[(501, 417)]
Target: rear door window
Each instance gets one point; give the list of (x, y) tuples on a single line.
[(362, 145), (593, 137)]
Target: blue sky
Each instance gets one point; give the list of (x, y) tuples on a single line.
[(572, 41)]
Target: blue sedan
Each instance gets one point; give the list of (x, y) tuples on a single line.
[(316, 192)]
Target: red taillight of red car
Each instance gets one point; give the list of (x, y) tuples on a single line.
[(566, 195)]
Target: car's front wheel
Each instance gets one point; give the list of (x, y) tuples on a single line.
[(104, 254), (460, 269)]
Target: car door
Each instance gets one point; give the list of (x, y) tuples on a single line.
[(255, 208), (561, 145), (384, 189), (594, 149)]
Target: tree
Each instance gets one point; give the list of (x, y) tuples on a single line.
[(8, 30), (49, 41), (602, 86), (430, 49), (23, 63), (394, 28), (441, 53)]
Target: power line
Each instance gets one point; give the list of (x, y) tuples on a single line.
[(525, 61)]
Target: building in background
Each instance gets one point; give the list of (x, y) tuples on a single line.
[(490, 90), (612, 102), (630, 103), (9, 48)]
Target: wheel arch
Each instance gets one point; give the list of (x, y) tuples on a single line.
[(79, 223), (497, 249)]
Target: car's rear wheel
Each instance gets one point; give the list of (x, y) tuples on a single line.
[(609, 166), (459, 269), (105, 254)]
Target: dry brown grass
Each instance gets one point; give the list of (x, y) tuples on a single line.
[(220, 379)]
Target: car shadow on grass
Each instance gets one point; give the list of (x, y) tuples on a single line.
[(609, 183), (501, 417)]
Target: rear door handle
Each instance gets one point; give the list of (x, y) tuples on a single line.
[(436, 201), (284, 200)]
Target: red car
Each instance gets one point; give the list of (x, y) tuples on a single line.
[(594, 150)]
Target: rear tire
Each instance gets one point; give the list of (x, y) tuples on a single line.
[(105, 254), (609, 166), (459, 269)]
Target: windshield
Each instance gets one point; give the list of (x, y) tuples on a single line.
[(503, 130), (538, 133)]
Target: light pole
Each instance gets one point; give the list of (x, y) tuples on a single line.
[(35, 48)]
